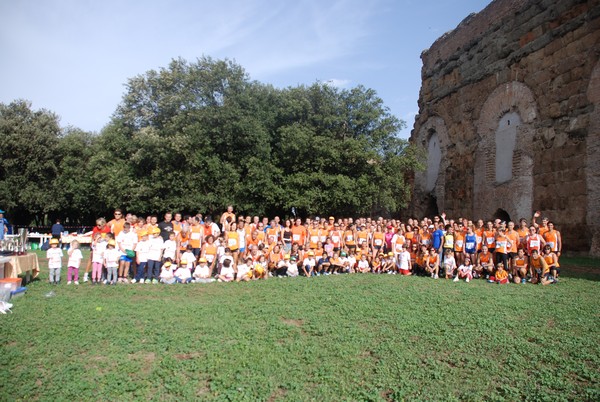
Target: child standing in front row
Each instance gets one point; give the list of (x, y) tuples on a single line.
[(98, 249), (75, 258), (54, 256), (111, 262)]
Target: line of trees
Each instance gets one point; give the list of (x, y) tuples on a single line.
[(194, 137)]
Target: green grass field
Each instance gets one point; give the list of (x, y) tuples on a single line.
[(356, 337)]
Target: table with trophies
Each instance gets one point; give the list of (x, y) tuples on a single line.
[(15, 258)]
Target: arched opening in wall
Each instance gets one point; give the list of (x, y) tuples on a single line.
[(502, 215), (434, 158), (506, 139), (431, 208)]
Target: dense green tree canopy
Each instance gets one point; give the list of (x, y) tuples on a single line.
[(194, 137)]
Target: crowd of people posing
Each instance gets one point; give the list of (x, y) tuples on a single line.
[(183, 249)]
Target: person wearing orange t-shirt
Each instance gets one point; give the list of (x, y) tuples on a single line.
[(519, 267), (116, 224), (485, 261), (209, 251), (553, 239), (513, 242), (489, 237), (227, 218), (314, 235), (299, 234), (459, 245), (349, 238), (502, 248), (196, 234), (232, 241)]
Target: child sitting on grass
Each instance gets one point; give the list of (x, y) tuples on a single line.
[(363, 264), (465, 271), (501, 274), (167, 274), (292, 268), (202, 272), (227, 273), (183, 273), (244, 270)]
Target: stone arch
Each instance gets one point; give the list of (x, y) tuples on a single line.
[(432, 184), (593, 161), (512, 101), (502, 215)]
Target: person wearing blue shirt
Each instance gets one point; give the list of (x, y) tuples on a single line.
[(57, 230), (438, 237), (3, 225)]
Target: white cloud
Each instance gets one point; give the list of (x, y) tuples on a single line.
[(338, 83)]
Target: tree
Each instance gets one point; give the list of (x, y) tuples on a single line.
[(28, 161)]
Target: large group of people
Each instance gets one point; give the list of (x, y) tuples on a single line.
[(184, 249)]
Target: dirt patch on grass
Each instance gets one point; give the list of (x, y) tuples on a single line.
[(146, 360), (278, 395), (188, 356), (292, 322)]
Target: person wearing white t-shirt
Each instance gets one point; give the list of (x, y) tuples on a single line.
[(74, 262), (363, 264), (154, 256), (142, 249), (403, 261), (54, 255), (308, 265), (126, 242)]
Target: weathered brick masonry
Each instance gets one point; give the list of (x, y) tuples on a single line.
[(509, 114)]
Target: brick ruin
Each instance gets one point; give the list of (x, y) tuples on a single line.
[(509, 117)]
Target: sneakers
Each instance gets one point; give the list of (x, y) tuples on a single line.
[(133, 280), (68, 282), (523, 281), (154, 281), (76, 282), (85, 277), (467, 280), (5, 307), (456, 279), (436, 277), (105, 281)]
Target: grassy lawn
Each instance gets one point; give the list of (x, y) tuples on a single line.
[(357, 337)]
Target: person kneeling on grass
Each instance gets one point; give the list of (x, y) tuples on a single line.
[(540, 269), (167, 273), (227, 273), (183, 273), (202, 272), (465, 271), (432, 266), (519, 267), (403, 261)]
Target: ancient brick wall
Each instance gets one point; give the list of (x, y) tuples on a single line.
[(522, 79)]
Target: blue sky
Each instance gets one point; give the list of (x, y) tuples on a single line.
[(73, 57)]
